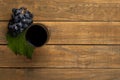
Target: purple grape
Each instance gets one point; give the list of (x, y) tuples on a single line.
[(21, 16), (27, 15), (18, 11), (27, 21), (16, 19), (19, 24), (25, 26), (10, 27), (16, 28), (14, 10)]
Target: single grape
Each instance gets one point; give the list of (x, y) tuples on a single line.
[(16, 19), (14, 10), (16, 28), (27, 15), (19, 25), (28, 21), (10, 27), (18, 11), (25, 26), (21, 16)]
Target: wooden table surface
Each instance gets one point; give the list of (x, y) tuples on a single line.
[(84, 42)]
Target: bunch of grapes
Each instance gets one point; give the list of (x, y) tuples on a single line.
[(21, 20)]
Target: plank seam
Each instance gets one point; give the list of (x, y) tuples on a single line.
[(69, 21), (51, 68), (79, 44)]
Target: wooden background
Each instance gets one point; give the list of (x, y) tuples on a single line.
[(84, 42)]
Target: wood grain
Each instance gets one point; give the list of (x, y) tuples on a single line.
[(77, 32), (67, 10), (84, 41), (60, 74), (64, 56)]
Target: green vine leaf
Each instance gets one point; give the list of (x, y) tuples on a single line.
[(19, 45)]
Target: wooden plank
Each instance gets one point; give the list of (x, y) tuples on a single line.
[(77, 32), (65, 56), (70, 10), (60, 74)]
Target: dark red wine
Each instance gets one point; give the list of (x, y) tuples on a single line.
[(37, 35)]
